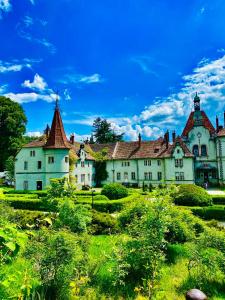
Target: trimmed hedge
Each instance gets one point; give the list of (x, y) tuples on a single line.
[(100, 198), (103, 223), (40, 194), (208, 213), (192, 195), (111, 205), (26, 204), (218, 199), (114, 191)]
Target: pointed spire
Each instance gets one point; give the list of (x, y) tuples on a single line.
[(57, 137), (197, 102)]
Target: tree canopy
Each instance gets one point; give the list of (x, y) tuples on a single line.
[(12, 127), (103, 132)]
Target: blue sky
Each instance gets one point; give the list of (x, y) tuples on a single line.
[(137, 63)]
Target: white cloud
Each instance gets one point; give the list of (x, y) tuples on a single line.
[(5, 7), (67, 95), (16, 65), (37, 84), (171, 112), (30, 97), (25, 31), (34, 133), (3, 88), (95, 78), (80, 79)]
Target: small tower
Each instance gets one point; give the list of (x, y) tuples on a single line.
[(197, 102)]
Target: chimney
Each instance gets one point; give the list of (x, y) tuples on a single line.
[(72, 138), (166, 139), (139, 140), (217, 124), (173, 136)]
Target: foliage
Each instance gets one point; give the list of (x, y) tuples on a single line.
[(9, 167), (103, 132), (75, 217), (26, 219), (59, 258), (12, 128), (29, 204), (112, 205), (183, 226), (192, 195), (114, 191), (101, 173), (103, 223), (208, 213), (18, 280), (140, 258), (60, 188), (218, 199), (11, 241), (72, 161), (100, 198)]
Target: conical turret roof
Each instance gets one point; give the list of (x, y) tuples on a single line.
[(57, 137)]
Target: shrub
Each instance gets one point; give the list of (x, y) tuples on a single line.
[(175, 252), (29, 204), (112, 205), (208, 213), (75, 217), (183, 226), (114, 191), (218, 199), (192, 195), (100, 198), (103, 223)]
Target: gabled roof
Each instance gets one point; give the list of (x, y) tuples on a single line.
[(169, 151), (191, 123), (57, 137), (132, 150)]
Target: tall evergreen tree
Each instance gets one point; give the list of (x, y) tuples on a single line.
[(103, 132), (12, 127)]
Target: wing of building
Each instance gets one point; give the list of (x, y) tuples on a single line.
[(197, 156)]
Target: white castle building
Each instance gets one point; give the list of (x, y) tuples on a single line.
[(197, 156)]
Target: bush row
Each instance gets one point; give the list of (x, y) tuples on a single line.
[(27, 204), (218, 199), (111, 205), (208, 213)]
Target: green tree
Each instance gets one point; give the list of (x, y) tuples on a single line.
[(12, 127), (100, 166), (104, 133), (9, 166)]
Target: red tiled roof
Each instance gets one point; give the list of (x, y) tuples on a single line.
[(132, 150), (190, 124), (169, 151), (57, 137), (36, 143)]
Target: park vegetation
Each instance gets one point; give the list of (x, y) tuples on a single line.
[(146, 247)]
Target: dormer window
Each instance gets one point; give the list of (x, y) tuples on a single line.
[(203, 150), (195, 150)]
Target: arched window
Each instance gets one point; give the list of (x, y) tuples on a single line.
[(195, 150), (203, 150)]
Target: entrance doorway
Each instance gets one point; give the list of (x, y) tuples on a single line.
[(206, 176), (39, 185)]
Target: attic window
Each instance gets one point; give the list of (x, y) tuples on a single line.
[(156, 150), (178, 150)]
